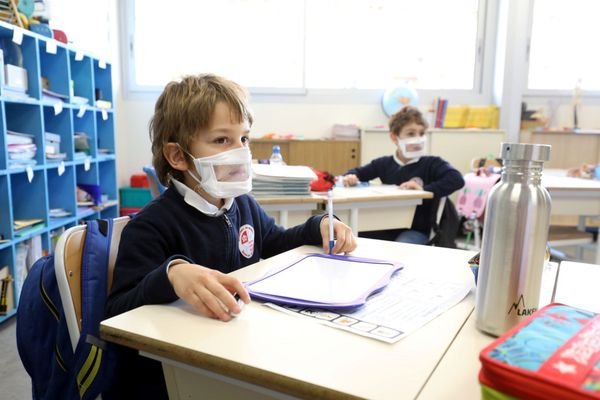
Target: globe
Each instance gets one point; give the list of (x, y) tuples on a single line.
[(397, 97)]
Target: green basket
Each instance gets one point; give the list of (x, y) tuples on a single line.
[(132, 197)]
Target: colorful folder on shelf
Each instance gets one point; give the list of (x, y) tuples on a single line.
[(325, 281)]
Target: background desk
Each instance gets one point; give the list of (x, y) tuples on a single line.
[(574, 196), (456, 375), (290, 211), (369, 208), (376, 207), (264, 352)]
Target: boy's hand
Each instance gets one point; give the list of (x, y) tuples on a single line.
[(345, 240), (209, 291), (350, 180), (411, 185)]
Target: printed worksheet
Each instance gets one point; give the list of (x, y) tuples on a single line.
[(408, 302)]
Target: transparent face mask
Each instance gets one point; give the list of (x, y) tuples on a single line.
[(227, 174), (412, 147)]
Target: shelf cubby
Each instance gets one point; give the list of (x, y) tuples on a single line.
[(61, 125), (81, 75), (102, 81), (26, 118), (86, 124), (105, 132), (55, 69), (61, 194), (29, 198)]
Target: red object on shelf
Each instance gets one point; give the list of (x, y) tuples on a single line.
[(60, 35), (124, 211), (139, 181)]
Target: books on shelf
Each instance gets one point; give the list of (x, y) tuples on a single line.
[(439, 113), (21, 163), (482, 117), (7, 299), (50, 95), (59, 213), (13, 137), (21, 149), (20, 224), (281, 180)]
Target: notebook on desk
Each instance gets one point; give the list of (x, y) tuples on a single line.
[(324, 281)]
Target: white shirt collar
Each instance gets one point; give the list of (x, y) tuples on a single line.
[(411, 161), (199, 202)]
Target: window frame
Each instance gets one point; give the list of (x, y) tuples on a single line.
[(545, 93), (481, 93)]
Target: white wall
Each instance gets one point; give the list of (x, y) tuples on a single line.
[(308, 120)]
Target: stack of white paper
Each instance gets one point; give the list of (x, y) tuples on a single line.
[(281, 180)]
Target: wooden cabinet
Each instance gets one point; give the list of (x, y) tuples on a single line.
[(333, 156), (569, 149)]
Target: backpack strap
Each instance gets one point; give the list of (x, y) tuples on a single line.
[(90, 349), (94, 275)]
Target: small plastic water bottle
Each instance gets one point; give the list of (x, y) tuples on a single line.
[(276, 158)]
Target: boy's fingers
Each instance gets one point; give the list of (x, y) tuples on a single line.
[(213, 304), (224, 297), (233, 285)]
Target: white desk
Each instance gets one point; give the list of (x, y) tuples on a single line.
[(268, 354), (573, 196), (376, 207), (456, 377)]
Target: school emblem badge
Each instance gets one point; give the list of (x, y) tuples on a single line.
[(246, 243)]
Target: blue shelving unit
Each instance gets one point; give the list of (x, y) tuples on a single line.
[(31, 192)]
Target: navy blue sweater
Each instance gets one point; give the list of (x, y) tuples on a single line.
[(169, 228), (438, 177)]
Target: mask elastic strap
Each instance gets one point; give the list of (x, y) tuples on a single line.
[(194, 177)]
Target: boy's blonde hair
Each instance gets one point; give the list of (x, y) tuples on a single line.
[(404, 117), (186, 107)]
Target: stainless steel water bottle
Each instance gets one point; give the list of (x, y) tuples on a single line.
[(517, 217)]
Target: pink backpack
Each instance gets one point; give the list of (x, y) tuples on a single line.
[(473, 196)]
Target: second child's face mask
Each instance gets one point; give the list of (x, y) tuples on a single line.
[(225, 175), (413, 147)]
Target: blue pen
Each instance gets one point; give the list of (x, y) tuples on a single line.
[(330, 211)]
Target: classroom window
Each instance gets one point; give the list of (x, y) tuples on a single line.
[(563, 45), (307, 44)]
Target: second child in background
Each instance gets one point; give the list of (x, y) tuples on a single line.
[(409, 168)]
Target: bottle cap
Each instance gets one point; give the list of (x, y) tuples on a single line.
[(525, 151), (276, 149)]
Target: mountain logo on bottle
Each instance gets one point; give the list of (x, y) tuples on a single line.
[(520, 309)]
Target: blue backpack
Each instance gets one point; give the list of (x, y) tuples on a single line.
[(42, 335)]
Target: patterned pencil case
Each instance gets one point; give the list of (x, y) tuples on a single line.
[(553, 354)]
